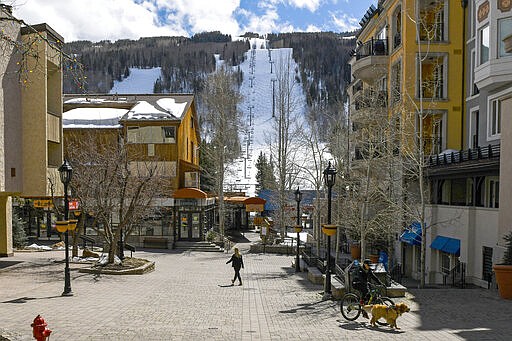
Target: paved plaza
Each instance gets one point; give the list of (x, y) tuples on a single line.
[(189, 297)]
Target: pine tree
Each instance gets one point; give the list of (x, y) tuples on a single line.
[(19, 237), (265, 177)]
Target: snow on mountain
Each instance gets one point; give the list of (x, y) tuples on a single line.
[(259, 71), (140, 81)]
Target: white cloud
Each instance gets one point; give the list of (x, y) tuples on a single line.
[(344, 22), (311, 5)]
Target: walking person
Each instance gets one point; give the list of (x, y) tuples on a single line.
[(237, 263)]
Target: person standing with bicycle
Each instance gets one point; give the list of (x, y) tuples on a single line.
[(363, 274)]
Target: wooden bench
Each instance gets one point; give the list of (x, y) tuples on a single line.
[(155, 242)]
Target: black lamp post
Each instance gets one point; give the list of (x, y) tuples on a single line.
[(329, 180), (298, 228), (66, 172)]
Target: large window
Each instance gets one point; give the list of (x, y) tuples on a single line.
[(432, 20), (484, 44), (396, 82), (433, 77), (493, 192), (152, 134), (504, 30)]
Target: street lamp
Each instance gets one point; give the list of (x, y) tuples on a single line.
[(328, 229), (66, 172), (298, 228)]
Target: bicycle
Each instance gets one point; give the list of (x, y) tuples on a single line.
[(351, 305)]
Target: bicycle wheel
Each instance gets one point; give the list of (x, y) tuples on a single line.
[(350, 307), (386, 301)]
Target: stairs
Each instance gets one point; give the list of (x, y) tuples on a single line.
[(198, 246)]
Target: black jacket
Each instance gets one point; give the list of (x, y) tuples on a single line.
[(364, 276), (237, 262)]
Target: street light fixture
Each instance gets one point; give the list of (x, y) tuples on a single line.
[(328, 229), (66, 172), (298, 228)]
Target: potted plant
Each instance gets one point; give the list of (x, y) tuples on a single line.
[(503, 271)]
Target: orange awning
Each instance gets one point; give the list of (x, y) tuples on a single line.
[(189, 193)]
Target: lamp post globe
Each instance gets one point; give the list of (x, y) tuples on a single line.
[(66, 172), (329, 181), (298, 198)]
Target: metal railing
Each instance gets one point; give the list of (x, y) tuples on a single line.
[(456, 277), (373, 47), (479, 153)]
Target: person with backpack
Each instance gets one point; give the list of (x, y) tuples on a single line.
[(362, 276)]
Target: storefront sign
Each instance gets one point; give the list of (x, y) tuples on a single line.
[(73, 205), (43, 203)]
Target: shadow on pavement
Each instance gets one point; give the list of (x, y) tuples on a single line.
[(357, 325), (26, 299), (307, 307)]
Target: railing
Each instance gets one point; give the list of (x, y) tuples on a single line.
[(479, 153), (456, 276), (374, 47), (338, 271), (396, 273)]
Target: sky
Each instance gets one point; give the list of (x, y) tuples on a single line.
[(97, 20)]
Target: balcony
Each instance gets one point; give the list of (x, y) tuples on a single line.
[(493, 74), (370, 60)]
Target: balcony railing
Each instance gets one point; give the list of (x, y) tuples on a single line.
[(479, 153), (374, 47)]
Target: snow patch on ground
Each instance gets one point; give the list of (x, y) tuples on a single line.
[(140, 81)]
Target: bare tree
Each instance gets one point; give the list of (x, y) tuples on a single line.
[(220, 124), (113, 185)]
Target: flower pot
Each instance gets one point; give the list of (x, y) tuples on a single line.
[(504, 280), (61, 226), (355, 251)]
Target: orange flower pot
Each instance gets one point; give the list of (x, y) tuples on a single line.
[(504, 280), (61, 225)]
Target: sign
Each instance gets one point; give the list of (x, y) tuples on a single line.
[(43, 203), (254, 208), (263, 230), (73, 205), (258, 220)]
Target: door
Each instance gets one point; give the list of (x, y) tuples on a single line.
[(190, 225)]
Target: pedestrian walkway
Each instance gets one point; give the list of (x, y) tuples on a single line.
[(189, 297)]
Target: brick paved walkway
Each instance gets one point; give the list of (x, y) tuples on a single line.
[(189, 296)]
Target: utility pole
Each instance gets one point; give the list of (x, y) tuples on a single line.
[(273, 97)]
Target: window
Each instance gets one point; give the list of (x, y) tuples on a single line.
[(494, 123), (484, 44), (192, 179), (445, 262), (432, 20), (397, 28), (493, 197), (474, 88), (396, 82), (433, 77), (504, 30), (486, 263), (473, 124), (152, 134)]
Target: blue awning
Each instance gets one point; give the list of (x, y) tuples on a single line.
[(446, 244), (412, 234)]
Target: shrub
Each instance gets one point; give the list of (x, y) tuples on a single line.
[(19, 238)]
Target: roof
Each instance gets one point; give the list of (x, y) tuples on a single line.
[(93, 111), (245, 200)]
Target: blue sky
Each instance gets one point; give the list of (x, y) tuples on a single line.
[(131, 19)]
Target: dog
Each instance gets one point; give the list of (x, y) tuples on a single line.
[(389, 313)]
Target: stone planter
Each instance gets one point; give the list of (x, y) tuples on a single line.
[(504, 280)]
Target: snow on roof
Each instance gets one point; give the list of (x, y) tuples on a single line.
[(146, 111), (169, 104), (92, 118), (89, 100)]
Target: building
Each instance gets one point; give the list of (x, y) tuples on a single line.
[(162, 129), (30, 122), (465, 145)]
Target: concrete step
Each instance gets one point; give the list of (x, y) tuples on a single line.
[(198, 246)]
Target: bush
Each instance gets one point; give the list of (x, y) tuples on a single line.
[(507, 259), (210, 236), (19, 237)]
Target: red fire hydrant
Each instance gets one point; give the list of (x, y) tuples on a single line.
[(39, 330)]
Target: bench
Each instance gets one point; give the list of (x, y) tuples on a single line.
[(130, 248), (86, 239), (315, 276), (155, 242)]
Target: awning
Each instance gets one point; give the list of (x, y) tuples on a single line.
[(189, 193), (412, 234), (446, 244)]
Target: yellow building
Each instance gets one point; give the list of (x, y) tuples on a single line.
[(411, 52), (30, 116), (159, 128)]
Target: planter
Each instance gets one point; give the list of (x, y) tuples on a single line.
[(355, 251), (374, 258), (504, 280)]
